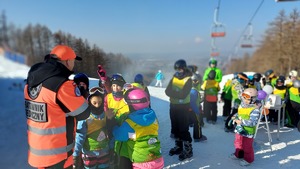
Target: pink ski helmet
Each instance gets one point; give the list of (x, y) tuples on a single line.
[(137, 98)]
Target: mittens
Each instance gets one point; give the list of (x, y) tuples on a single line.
[(102, 73)]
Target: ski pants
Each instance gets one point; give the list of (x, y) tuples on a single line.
[(233, 112), (158, 83), (226, 107), (197, 129), (210, 110), (179, 116), (244, 148), (293, 109)]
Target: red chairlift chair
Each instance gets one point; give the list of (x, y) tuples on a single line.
[(218, 31), (214, 52), (247, 41)]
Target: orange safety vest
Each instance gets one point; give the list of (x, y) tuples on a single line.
[(51, 122)]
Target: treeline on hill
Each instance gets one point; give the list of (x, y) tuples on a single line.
[(279, 50), (35, 41)]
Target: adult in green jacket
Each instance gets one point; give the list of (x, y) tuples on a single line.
[(213, 66)]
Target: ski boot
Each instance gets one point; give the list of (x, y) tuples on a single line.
[(177, 149), (187, 152)]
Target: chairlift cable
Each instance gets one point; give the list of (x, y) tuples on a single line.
[(217, 11), (249, 23)]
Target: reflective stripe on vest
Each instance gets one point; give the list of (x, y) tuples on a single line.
[(81, 109), (51, 151), (47, 131)]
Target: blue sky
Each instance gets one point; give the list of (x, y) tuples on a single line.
[(148, 26)]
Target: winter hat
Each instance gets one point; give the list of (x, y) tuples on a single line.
[(63, 52), (81, 77), (139, 78)]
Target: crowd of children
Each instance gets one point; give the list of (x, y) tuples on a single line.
[(122, 130)]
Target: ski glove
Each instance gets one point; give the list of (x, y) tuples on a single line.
[(102, 73)]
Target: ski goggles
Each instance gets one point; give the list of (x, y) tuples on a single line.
[(96, 89), (117, 77), (246, 96), (195, 81)]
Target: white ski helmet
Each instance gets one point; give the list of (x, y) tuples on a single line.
[(293, 73), (250, 94)]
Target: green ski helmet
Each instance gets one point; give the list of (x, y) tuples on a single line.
[(212, 61)]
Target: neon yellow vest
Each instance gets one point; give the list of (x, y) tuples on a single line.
[(121, 109), (144, 145), (294, 94), (244, 113), (279, 92), (177, 85), (96, 137)]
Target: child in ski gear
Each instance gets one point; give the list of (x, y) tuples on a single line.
[(159, 77), (140, 131), (213, 66), (270, 77), (279, 89), (250, 82), (92, 142), (82, 81), (48, 85), (178, 90), (116, 110), (238, 85), (293, 75), (196, 109), (257, 83), (246, 120), (211, 88), (226, 97), (139, 78)]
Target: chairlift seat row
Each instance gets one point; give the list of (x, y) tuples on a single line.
[(218, 30), (217, 34), (246, 45), (214, 54)]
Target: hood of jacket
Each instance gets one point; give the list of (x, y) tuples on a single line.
[(143, 117), (40, 72)]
